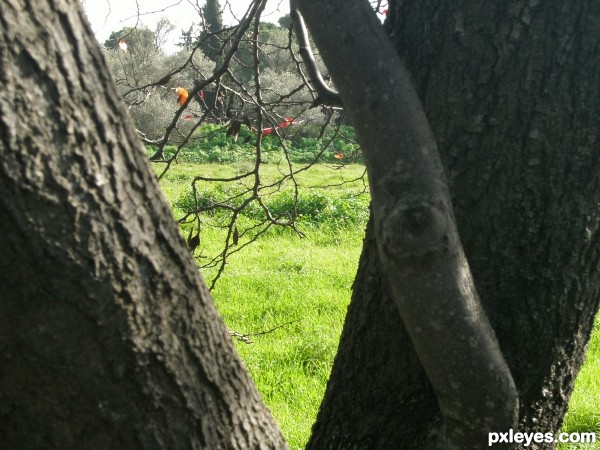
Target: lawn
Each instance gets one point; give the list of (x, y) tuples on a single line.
[(301, 283), (584, 406), (296, 291)]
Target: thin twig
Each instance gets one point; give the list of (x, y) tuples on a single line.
[(246, 337)]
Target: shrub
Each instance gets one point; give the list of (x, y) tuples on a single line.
[(212, 145), (311, 208), (208, 196)]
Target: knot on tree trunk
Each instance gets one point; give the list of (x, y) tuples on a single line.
[(415, 229)]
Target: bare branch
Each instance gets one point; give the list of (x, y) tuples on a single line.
[(325, 95), (243, 27)]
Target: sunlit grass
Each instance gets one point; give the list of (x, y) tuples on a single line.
[(304, 284), (584, 406), (282, 279)]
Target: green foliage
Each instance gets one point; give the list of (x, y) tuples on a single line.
[(338, 210), (273, 53), (316, 208), (216, 153), (285, 21), (207, 197), (212, 145)]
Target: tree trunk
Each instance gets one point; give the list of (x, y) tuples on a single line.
[(511, 90), (401, 411), (108, 336)]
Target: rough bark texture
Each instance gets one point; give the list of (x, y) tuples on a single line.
[(420, 253), (108, 337), (401, 411), (518, 130), (511, 90)]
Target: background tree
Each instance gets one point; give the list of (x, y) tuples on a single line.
[(212, 27), (186, 40), (163, 28), (285, 21), (147, 78), (140, 40)]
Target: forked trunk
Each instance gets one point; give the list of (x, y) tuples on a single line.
[(512, 93)]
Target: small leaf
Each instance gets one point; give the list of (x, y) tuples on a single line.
[(234, 129), (193, 240)]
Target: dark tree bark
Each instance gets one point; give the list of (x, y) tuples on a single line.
[(108, 336), (399, 408), (511, 90), (420, 253)]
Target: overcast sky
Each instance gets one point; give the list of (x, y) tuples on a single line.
[(107, 16)]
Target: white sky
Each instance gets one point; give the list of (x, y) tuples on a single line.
[(107, 16)]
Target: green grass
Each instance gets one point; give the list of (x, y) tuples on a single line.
[(584, 406), (283, 278), (286, 279)]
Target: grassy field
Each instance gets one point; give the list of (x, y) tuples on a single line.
[(304, 284), (584, 407), (283, 278)]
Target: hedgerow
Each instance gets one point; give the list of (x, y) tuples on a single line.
[(212, 145)]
